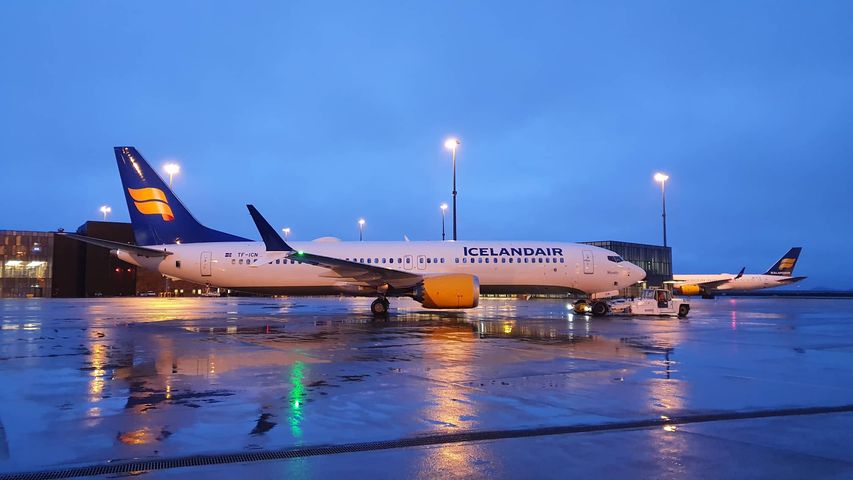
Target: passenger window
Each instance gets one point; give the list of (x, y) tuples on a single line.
[(428, 260), (487, 260), (562, 260), (368, 260), (390, 260), (177, 264), (233, 261), (464, 259), (503, 260), (375, 260), (525, 260), (408, 260), (277, 262), (241, 261), (421, 260), (442, 260), (540, 260), (456, 259), (547, 260), (399, 260), (479, 260)]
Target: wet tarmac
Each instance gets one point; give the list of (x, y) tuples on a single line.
[(315, 388)]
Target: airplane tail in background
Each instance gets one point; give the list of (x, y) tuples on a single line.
[(156, 214), (785, 266)]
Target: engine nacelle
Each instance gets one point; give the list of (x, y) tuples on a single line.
[(449, 291), (689, 290)]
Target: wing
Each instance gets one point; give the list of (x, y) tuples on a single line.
[(142, 251), (354, 273), (359, 273), (710, 285)]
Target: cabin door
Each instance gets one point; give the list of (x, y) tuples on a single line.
[(206, 258), (588, 264)]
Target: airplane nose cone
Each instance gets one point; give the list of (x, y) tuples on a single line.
[(637, 273)]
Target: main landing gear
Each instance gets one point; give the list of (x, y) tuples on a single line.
[(379, 307)]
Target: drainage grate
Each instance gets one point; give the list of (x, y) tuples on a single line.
[(472, 436)]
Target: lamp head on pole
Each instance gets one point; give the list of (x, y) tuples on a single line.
[(661, 177), (105, 209), (452, 143), (361, 222), (443, 207), (172, 168), (286, 230)]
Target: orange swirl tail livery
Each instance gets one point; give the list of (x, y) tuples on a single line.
[(151, 201)]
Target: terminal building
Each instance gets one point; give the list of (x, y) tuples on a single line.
[(43, 264)]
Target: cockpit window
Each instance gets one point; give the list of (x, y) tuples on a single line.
[(615, 258)]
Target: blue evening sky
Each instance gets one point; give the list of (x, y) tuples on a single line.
[(323, 112)]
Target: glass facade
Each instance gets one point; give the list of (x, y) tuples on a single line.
[(26, 264), (654, 259), (42, 264)]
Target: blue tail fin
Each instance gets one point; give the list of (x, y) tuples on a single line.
[(785, 265), (157, 216)]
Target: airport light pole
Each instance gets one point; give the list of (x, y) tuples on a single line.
[(452, 144), (286, 231), (105, 209), (662, 178), (443, 207), (361, 229), (172, 169)]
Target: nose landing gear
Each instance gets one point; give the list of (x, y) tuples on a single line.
[(379, 307)]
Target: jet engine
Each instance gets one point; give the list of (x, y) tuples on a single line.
[(689, 289), (449, 291)]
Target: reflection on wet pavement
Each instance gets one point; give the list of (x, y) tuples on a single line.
[(156, 378)]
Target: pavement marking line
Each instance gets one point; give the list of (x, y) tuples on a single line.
[(138, 466)]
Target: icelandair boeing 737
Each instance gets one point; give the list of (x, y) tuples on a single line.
[(436, 274), (706, 285)]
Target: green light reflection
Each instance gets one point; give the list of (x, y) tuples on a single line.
[(296, 398)]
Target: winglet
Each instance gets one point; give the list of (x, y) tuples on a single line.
[(271, 238), (740, 274)]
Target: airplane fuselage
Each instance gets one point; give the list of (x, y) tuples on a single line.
[(745, 282), (501, 267)]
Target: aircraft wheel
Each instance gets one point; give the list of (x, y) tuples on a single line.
[(599, 309), (683, 310), (379, 307), (580, 307)]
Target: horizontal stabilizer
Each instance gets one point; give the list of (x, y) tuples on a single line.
[(141, 251)]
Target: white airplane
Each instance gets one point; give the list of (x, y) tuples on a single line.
[(436, 274), (706, 285)]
